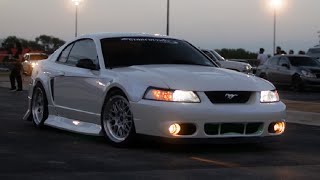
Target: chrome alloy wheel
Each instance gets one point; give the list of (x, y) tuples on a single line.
[(118, 119), (38, 105)]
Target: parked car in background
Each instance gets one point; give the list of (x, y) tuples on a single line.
[(119, 85), (314, 52), (233, 65), (298, 71), (31, 60)]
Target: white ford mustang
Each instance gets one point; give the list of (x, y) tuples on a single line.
[(120, 85)]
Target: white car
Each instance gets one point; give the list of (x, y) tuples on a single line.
[(233, 65), (31, 60), (120, 85)]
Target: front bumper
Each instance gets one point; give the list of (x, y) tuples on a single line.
[(154, 117), (311, 82)]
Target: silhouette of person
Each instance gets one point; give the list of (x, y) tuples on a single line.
[(16, 68), (278, 51), (291, 52), (262, 57)]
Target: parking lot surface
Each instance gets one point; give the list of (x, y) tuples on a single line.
[(29, 153)]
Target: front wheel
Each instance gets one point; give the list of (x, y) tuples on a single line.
[(297, 84), (117, 120), (39, 106)]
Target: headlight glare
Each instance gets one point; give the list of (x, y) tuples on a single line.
[(269, 97), (172, 95), (308, 74), (34, 64)]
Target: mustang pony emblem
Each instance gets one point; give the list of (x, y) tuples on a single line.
[(231, 96)]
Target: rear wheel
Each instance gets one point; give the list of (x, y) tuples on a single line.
[(39, 106), (117, 120)]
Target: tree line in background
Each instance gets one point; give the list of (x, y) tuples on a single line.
[(236, 54), (44, 43), (49, 44)]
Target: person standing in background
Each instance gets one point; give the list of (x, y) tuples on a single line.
[(279, 51), (262, 57), (291, 52), (16, 69)]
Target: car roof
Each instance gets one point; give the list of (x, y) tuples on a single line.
[(291, 55), (103, 35)]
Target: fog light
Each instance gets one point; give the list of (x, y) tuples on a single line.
[(277, 127), (174, 129)]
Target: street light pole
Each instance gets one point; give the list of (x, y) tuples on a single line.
[(76, 3), (276, 4), (274, 30), (168, 17), (76, 25)]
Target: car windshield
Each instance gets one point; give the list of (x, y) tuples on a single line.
[(303, 61), (123, 52), (38, 57), (218, 56)]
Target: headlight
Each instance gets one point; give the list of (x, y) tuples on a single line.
[(34, 64), (308, 74), (171, 95), (269, 96), (247, 68)]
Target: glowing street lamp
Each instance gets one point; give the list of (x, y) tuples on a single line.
[(275, 4), (76, 3)]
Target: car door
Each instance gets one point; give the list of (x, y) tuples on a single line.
[(75, 89), (271, 69), (283, 74)]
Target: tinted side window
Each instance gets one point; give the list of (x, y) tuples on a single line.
[(274, 61), (83, 49), (65, 53), (283, 60), (314, 51)]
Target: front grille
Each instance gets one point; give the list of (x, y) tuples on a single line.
[(233, 128), (228, 97)]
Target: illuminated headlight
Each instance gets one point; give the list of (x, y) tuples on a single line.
[(277, 127), (171, 95), (34, 64), (247, 68), (308, 74), (269, 96)]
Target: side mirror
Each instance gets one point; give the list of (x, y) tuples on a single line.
[(87, 64), (285, 65)]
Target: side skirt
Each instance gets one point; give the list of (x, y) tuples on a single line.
[(74, 125)]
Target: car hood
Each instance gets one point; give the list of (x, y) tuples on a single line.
[(236, 62), (195, 78)]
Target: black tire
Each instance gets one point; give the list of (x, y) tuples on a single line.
[(297, 84), (117, 120), (39, 106)]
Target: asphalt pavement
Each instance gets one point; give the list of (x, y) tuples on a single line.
[(29, 153)]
